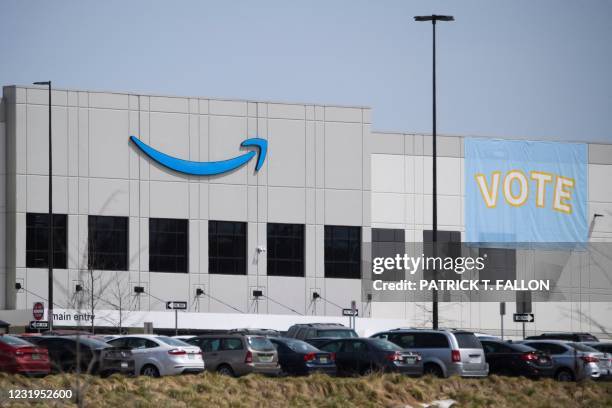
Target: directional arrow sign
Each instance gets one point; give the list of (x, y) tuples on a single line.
[(178, 305), (39, 324), (524, 317), (350, 312)]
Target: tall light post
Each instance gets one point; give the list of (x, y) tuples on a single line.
[(50, 243), (434, 18)]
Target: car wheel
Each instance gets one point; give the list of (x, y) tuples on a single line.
[(225, 370), (150, 371), (564, 375), (434, 370)]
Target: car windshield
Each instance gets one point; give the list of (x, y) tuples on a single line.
[(582, 347), (260, 343), (467, 341), (338, 333), (14, 341), (521, 347), (172, 342), (300, 346), (385, 345)]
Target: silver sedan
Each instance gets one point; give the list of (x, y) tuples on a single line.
[(161, 355)]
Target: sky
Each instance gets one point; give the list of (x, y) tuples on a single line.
[(522, 68)]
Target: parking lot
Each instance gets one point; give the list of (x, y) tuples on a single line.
[(310, 348)]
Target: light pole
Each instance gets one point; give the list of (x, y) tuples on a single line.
[(50, 244), (434, 18)]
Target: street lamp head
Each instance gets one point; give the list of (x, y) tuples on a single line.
[(42, 83), (433, 18)]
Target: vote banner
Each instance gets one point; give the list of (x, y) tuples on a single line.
[(525, 191)]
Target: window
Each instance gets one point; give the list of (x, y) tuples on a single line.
[(448, 245), (342, 252), (341, 334), (209, 345), (168, 245), (120, 342), (108, 243), (403, 340), (383, 336), (355, 347), (385, 345), (310, 333), (430, 340), (37, 240), (387, 243), (260, 343), (285, 249), (549, 348), (141, 343), (231, 344), (332, 347), (14, 341), (523, 301), (467, 341), (500, 264), (171, 341), (227, 242)]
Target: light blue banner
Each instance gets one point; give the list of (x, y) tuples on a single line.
[(524, 191)]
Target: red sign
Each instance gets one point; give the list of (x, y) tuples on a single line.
[(38, 310)]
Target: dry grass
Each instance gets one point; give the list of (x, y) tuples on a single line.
[(389, 390)]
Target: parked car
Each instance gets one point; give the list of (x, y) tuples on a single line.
[(572, 361), (161, 355), (238, 354), (297, 357), (18, 356), (95, 356), (603, 346), (606, 348), (107, 337), (65, 332), (184, 337), (516, 359), (259, 332), (576, 337), (320, 333), (485, 336), (444, 352), (366, 355)]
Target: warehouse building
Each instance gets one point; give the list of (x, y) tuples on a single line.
[(278, 221)]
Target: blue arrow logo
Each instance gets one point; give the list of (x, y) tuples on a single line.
[(206, 168)]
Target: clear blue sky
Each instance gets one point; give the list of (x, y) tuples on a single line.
[(522, 68)]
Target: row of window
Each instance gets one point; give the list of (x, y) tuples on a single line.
[(227, 247), (169, 244)]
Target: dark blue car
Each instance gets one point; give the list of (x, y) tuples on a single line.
[(297, 357)]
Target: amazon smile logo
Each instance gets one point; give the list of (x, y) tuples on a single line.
[(206, 168)]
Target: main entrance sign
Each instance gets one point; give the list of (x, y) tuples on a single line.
[(206, 168)]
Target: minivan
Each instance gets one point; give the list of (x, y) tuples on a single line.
[(444, 352), (238, 354)]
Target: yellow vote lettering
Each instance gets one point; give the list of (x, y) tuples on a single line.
[(516, 187)]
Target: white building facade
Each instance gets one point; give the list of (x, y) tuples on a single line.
[(328, 179)]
